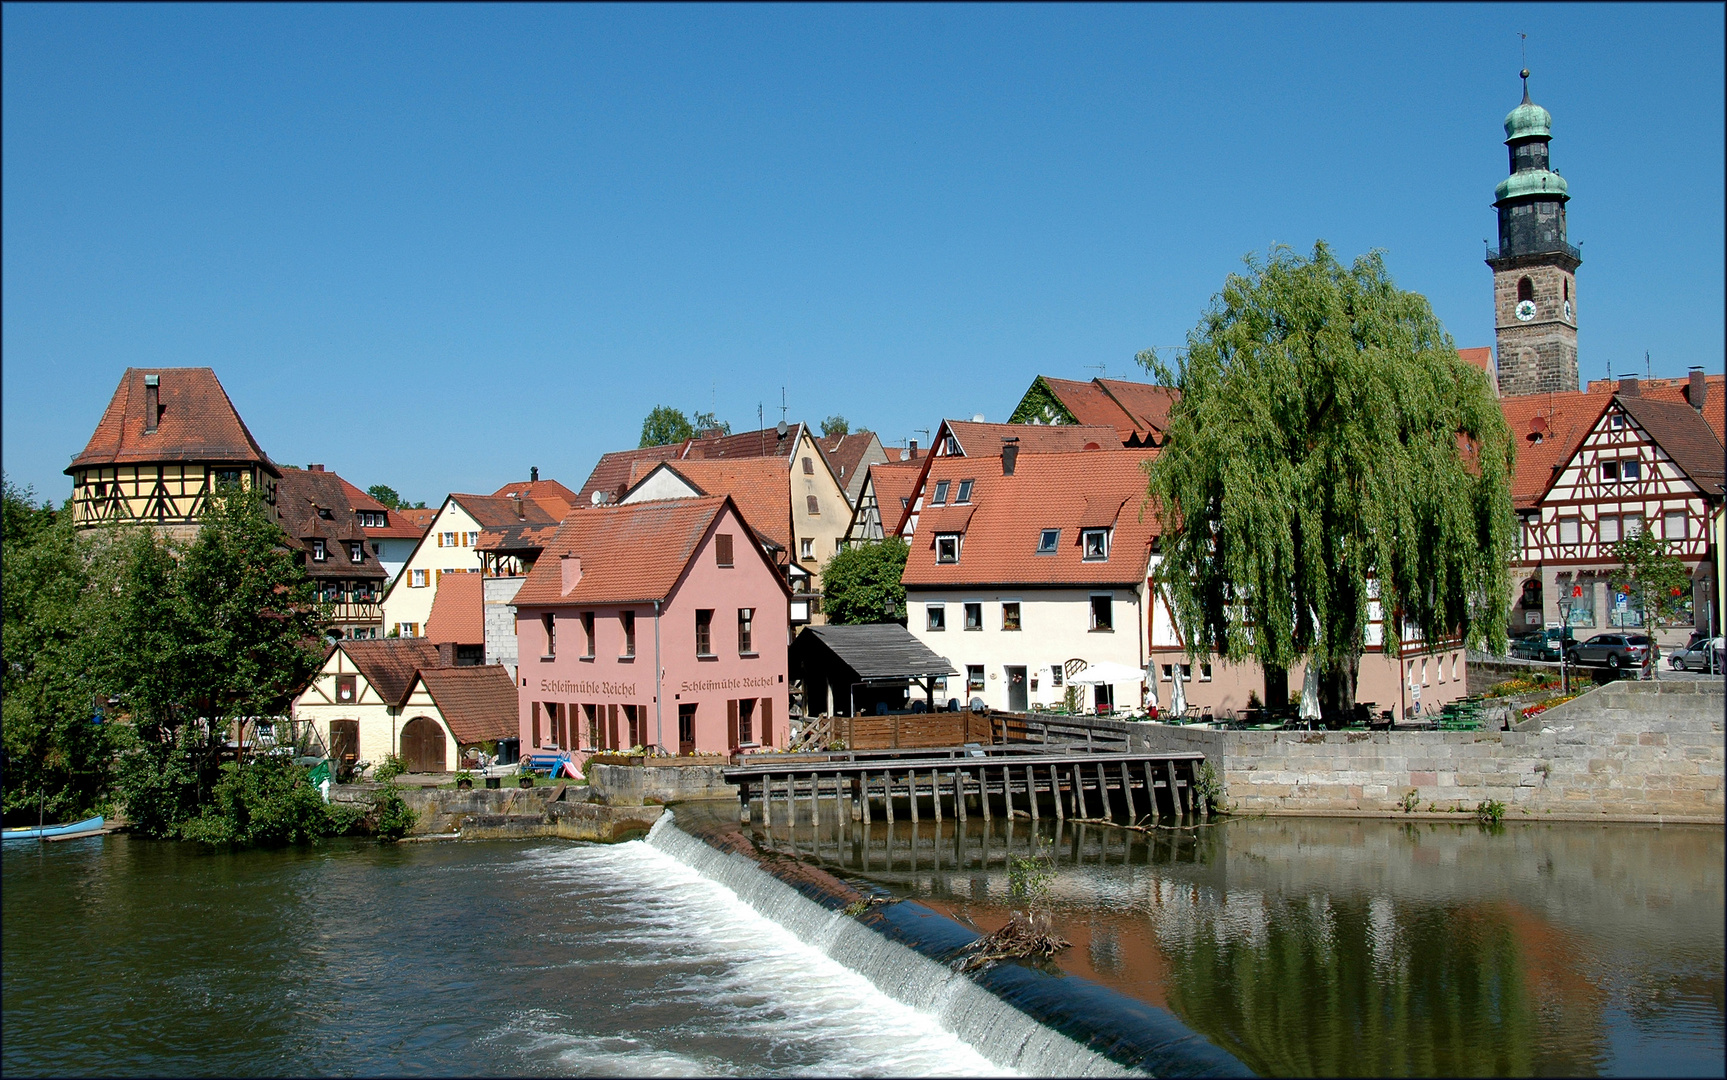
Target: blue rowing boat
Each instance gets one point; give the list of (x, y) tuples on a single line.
[(90, 826)]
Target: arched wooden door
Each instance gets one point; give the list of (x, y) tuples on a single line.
[(423, 745)]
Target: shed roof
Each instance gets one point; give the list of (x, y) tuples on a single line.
[(478, 703), (876, 653)]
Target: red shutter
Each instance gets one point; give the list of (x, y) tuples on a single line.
[(536, 708), (612, 728), (732, 724), (767, 721)]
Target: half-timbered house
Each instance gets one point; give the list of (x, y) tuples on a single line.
[(169, 437), (313, 509), (451, 546), (1627, 463)]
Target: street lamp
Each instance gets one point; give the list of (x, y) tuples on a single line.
[(1564, 632)]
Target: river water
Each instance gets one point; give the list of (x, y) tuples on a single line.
[(1302, 946)]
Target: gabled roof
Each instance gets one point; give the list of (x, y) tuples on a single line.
[(845, 452), (977, 439), (878, 653), (497, 511), (1480, 358), (1714, 396), (1678, 429), (555, 497), (1135, 411), (196, 422), (478, 703), (1546, 430), (612, 474), (893, 483), (303, 497), (419, 517), (516, 538), (630, 552), (759, 486), (389, 664), (1008, 514), (458, 611)]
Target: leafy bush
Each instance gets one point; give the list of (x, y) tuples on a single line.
[(392, 817), (1490, 812), (394, 765), (1208, 789), (265, 802)]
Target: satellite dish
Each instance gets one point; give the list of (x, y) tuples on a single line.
[(977, 418), (781, 429), (599, 498)]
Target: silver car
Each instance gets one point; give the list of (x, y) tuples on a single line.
[(1614, 650), (1700, 655)]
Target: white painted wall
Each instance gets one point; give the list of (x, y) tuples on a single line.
[(410, 603), (1055, 626)]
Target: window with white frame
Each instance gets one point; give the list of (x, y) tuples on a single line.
[(1630, 470), (1055, 675), (973, 677), (974, 616), (1610, 472), (1607, 528), (356, 551), (947, 548), (447, 539), (807, 549), (1094, 544), (317, 551), (1568, 530), (935, 616), (416, 579)]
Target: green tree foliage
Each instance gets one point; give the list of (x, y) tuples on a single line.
[(1657, 577), (1329, 448), (836, 425), (862, 584), (388, 496), (266, 801), (706, 421), (57, 757), (666, 425)]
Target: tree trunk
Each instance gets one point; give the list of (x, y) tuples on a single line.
[(1337, 692)]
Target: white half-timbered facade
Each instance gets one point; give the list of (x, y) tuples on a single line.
[(1643, 465)]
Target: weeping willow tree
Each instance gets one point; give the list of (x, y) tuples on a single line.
[(1329, 456)]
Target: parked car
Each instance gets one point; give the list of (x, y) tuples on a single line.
[(1613, 650), (1699, 655), (1540, 644)]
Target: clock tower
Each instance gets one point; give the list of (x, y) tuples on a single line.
[(1534, 269)]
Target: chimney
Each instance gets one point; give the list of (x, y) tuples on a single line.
[(152, 402), (1628, 386), (571, 565), (534, 474), (1009, 454), (913, 446), (314, 468), (517, 499), (1697, 391), (446, 654)]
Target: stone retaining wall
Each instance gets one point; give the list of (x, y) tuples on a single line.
[(566, 811), (634, 785), (1627, 751)]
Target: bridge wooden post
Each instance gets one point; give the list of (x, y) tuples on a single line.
[(1127, 795), (959, 795), (767, 800), (935, 796), (887, 798), (1103, 792), (1031, 790), (983, 792), (1055, 794)]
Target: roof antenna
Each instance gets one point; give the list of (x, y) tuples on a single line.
[(1099, 368), (1646, 374)]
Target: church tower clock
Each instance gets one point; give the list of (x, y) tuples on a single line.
[(1534, 269)]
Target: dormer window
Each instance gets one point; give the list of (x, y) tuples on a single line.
[(356, 551), (964, 494), (318, 551), (947, 548), (940, 497), (324, 512), (1048, 541), (1094, 543)]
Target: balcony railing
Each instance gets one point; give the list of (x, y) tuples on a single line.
[(1543, 249), (349, 611)]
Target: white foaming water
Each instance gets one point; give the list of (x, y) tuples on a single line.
[(733, 974), (952, 1002)]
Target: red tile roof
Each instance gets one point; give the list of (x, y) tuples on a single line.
[(893, 483), (630, 553), (196, 422), (302, 497), (845, 453), (419, 517), (985, 440), (1546, 430), (496, 511), (554, 496), (612, 474), (1714, 396), (1008, 514), (1130, 409), (478, 702), (458, 611), (389, 664), (1480, 358), (398, 527), (1678, 429), (760, 487)]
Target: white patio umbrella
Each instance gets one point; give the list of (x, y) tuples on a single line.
[(1105, 671), (1151, 687), (1309, 694), (1177, 696)]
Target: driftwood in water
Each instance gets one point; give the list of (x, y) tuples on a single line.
[(1020, 939)]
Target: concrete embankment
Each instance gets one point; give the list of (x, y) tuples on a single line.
[(1628, 751)]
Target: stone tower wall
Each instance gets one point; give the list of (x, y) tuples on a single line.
[(1540, 355)]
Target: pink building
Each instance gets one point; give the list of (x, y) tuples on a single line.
[(653, 624)]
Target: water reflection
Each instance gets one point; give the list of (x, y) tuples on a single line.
[(1339, 947)]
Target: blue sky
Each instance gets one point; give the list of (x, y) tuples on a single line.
[(434, 246)]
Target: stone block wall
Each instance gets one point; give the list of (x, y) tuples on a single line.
[(634, 785), (1627, 751), (497, 595)]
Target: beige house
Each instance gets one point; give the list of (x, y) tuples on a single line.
[(371, 699), (450, 546)]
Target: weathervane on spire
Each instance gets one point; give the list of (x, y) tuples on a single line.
[(1523, 44)]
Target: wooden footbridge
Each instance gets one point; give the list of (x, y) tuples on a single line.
[(1010, 781)]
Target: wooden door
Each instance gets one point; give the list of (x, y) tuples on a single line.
[(423, 745), (344, 744), (1016, 695), (686, 729)]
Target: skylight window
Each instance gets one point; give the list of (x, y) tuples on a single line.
[(940, 498), (964, 495), (1047, 541)]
